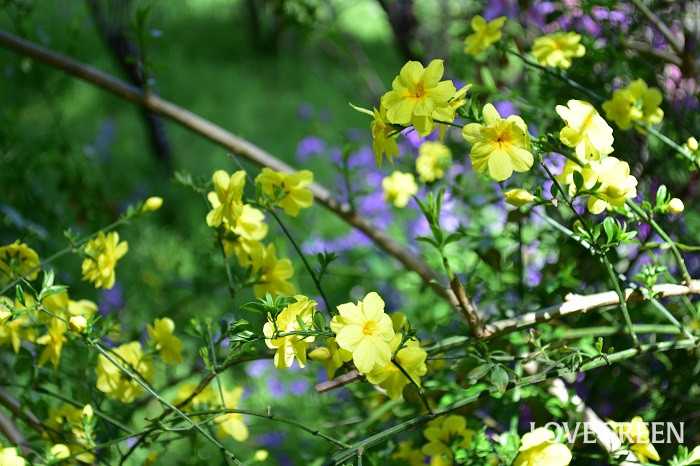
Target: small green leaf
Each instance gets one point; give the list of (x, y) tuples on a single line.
[(499, 378), (479, 371), (319, 321), (302, 325)]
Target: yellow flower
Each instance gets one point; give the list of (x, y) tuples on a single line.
[(617, 185), (168, 345), (622, 109), (261, 455), (399, 187), (184, 390), (382, 141), (484, 34), (293, 186), (585, 130), (12, 332), (16, 259), (558, 49), (53, 340), (291, 346), (433, 159), (332, 357), (502, 145), (245, 235), (84, 307), (103, 252), (519, 197), (10, 457), (694, 456), (650, 100), (636, 433), (410, 455), (116, 384), (231, 424), (537, 448), (364, 330), (227, 198), (390, 378), (676, 205), (275, 273), (78, 324), (441, 434), (152, 204), (416, 94)]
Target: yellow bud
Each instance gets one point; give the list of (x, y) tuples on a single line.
[(577, 226), (261, 455), (152, 458), (88, 411), (4, 316), (518, 197), (320, 354), (676, 205), (692, 143), (77, 324), (60, 451), (152, 204)]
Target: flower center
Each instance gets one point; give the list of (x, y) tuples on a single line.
[(370, 328), (418, 92)]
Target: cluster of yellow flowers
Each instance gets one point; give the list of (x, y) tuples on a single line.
[(370, 337), (102, 254), (537, 448), (78, 423), (592, 140), (29, 320), (117, 385), (555, 50), (636, 103), (242, 226), (16, 259), (419, 99), (229, 424)]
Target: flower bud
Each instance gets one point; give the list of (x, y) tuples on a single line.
[(518, 197), (152, 204), (676, 205), (320, 354), (261, 455), (692, 143), (77, 324)]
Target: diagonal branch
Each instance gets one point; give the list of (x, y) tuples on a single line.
[(231, 142)]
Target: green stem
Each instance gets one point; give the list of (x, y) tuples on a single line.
[(296, 247), (274, 417), (608, 266), (660, 231), (163, 402), (415, 385), (621, 295), (413, 423)]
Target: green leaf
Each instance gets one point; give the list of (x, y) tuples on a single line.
[(19, 294), (610, 228), (479, 371), (578, 181), (302, 325), (319, 321), (499, 378)]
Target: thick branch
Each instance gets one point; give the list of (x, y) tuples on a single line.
[(660, 25), (582, 303), (231, 142)]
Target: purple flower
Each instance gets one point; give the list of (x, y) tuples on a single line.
[(310, 145), (112, 300), (271, 439), (498, 8), (505, 108), (305, 111), (258, 368)]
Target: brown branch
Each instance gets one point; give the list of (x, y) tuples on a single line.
[(467, 308), (653, 53), (13, 434), (231, 142), (660, 25)]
